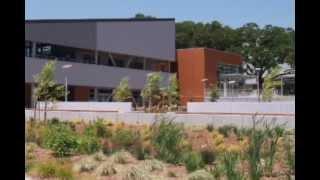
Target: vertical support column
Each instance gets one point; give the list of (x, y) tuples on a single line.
[(96, 57), (169, 66), (144, 64), (96, 94), (33, 49), (32, 101), (225, 88)]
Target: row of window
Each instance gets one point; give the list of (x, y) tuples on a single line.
[(49, 51)]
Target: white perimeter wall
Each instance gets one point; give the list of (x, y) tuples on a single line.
[(90, 106), (148, 118), (241, 107)]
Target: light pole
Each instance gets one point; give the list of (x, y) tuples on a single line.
[(66, 66), (204, 81)]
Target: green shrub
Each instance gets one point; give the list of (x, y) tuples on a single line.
[(225, 130), (172, 174), (208, 156), (35, 132), (218, 171), (210, 127), (273, 135), (54, 170), (193, 161), (290, 153), (256, 139), (61, 139), (124, 137), (98, 129), (230, 161), (200, 175), (167, 137), (88, 144)]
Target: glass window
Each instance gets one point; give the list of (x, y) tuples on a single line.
[(28, 49)]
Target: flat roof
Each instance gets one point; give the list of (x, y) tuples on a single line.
[(95, 20), (209, 49)]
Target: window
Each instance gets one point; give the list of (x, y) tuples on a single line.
[(91, 95), (28, 49), (228, 69)]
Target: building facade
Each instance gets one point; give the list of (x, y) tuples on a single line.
[(99, 53), (199, 68)]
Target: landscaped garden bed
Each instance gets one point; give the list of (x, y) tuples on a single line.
[(163, 150)]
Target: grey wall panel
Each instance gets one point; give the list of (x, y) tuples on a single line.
[(154, 39), (90, 75), (74, 34)]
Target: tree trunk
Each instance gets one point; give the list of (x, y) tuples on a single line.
[(150, 104), (35, 110), (45, 112), (260, 84)]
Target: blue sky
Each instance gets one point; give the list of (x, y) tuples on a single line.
[(234, 13)]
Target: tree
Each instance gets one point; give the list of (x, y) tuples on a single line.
[(213, 93), (142, 16), (173, 91), (151, 91), (270, 84), (47, 89), (122, 93)]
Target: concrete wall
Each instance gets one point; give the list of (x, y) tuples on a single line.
[(242, 107), (90, 75), (89, 106), (75, 34), (148, 118), (145, 38), (154, 39)]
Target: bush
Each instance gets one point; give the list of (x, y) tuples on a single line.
[(99, 156), (167, 137), (193, 161), (225, 130), (208, 156), (152, 165), (54, 170), (210, 127), (230, 161), (106, 169), (200, 175), (35, 132), (135, 173), (88, 144), (124, 137), (85, 165), (121, 157), (98, 129), (61, 139), (139, 150)]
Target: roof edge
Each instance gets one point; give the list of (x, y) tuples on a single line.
[(94, 20)]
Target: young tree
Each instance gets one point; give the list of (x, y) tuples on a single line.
[(213, 93), (151, 91), (270, 83), (122, 92), (47, 89), (173, 91)]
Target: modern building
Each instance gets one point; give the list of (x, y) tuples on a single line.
[(99, 53), (199, 68), (93, 55)]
